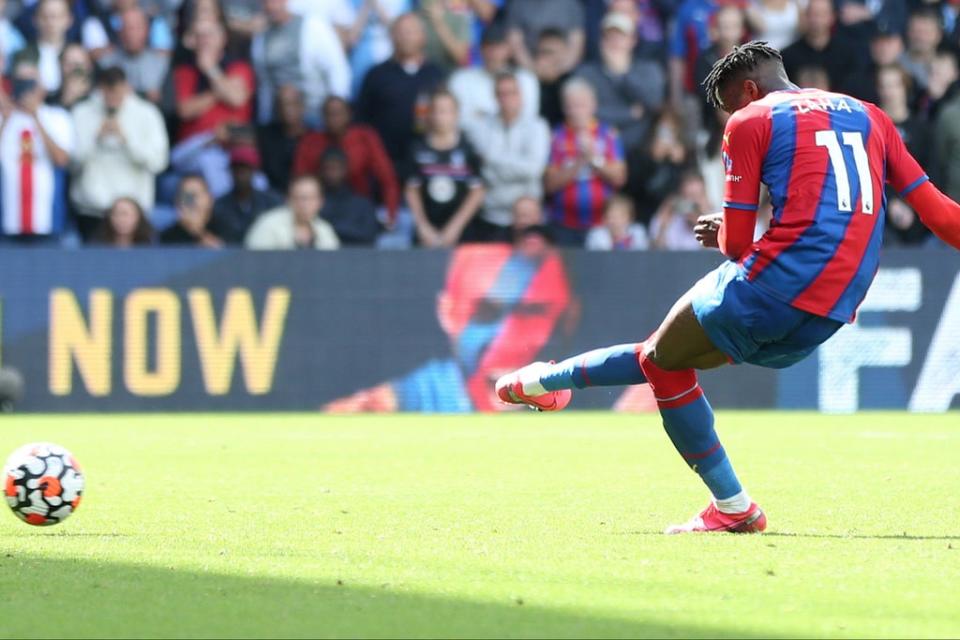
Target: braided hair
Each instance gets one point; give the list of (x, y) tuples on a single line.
[(742, 60)]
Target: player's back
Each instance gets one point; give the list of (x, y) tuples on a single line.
[(824, 163)]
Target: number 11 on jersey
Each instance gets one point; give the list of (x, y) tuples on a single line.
[(853, 139)]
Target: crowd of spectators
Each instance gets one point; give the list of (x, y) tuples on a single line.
[(283, 124)]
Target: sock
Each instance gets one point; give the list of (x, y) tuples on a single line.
[(688, 420), (612, 366), (734, 504)]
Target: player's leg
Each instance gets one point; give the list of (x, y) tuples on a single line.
[(620, 364), (669, 360)]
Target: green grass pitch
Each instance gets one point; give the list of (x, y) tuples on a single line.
[(519, 525)]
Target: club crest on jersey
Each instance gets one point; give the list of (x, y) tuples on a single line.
[(806, 105)]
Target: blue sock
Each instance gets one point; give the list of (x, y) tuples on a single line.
[(690, 428), (612, 366)]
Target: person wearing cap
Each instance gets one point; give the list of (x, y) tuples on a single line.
[(234, 212), (629, 91), (474, 86), (121, 147)]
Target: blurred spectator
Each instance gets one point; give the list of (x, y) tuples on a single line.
[(53, 21), (527, 213), (776, 21), (924, 35), (192, 13), (858, 18), (619, 230), (77, 71), (298, 224), (483, 13), (124, 225), (528, 19), (894, 88), (473, 86), (672, 226), (395, 93), (650, 27), (551, 73), (946, 124), (727, 30), (100, 31), (444, 191), (121, 147), (194, 212), (235, 212), (11, 40), (903, 228), (304, 51), (812, 77), (629, 91), (710, 159), (941, 84), (214, 90), (145, 67), (369, 169), (36, 141), (886, 48), (689, 37), (353, 217), (278, 141), (25, 15), (821, 47), (449, 35), (369, 36), (655, 170), (513, 147), (586, 166)]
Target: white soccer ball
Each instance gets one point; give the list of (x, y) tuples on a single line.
[(43, 483)]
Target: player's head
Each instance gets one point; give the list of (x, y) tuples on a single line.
[(499, 307), (749, 72)]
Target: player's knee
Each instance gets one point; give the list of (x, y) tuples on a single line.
[(654, 354)]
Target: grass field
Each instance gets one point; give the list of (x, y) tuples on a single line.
[(520, 525)]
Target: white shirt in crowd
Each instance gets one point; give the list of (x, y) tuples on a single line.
[(475, 93), (33, 198), (321, 66), (514, 159), (275, 230), (111, 167), (600, 239), (678, 234)]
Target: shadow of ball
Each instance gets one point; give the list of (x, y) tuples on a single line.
[(11, 388)]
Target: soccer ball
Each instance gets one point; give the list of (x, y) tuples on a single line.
[(42, 483)]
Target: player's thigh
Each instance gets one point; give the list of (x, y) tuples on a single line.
[(681, 343)]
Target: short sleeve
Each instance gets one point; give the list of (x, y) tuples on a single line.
[(745, 141), (904, 173)]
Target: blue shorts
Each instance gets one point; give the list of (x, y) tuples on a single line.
[(750, 325)]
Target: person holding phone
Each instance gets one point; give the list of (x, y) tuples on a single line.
[(194, 211), (121, 148), (36, 141)]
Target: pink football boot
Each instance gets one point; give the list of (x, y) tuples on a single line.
[(712, 519), (510, 390)]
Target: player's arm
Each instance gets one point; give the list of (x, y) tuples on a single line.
[(745, 142), (937, 211)]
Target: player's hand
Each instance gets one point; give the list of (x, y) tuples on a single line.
[(707, 229)]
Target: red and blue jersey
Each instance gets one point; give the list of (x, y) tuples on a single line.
[(579, 205), (824, 158)]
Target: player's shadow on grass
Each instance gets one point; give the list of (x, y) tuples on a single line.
[(102, 599)]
